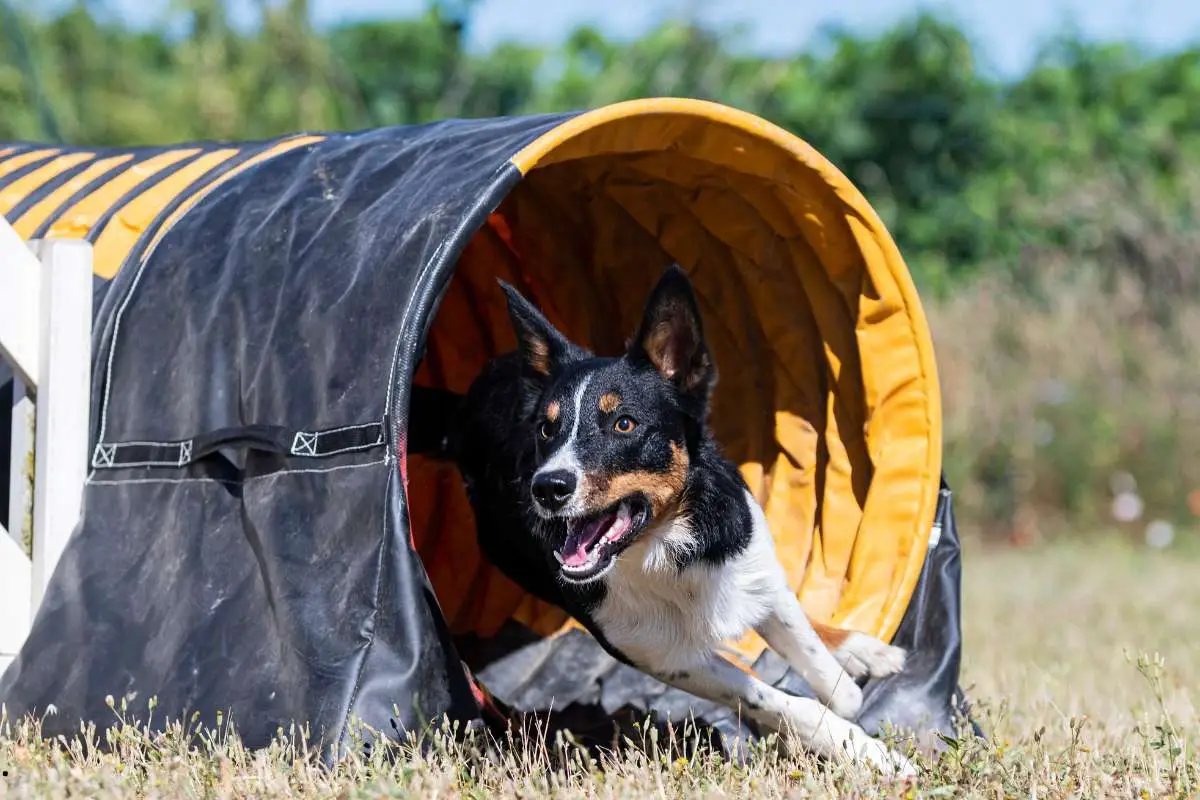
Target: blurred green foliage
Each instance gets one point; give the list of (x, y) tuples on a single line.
[(944, 152), (998, 192)]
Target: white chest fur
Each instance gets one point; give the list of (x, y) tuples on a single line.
[(674, 620)]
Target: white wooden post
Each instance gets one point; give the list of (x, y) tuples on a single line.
[(45, 334), (63, 394)]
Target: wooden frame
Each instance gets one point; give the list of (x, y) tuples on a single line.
[(45, 335)]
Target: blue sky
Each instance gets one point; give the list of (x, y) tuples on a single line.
[(1008, 31)]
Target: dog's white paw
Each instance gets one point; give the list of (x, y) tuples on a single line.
[(892, 764), (862, 655), (845, 699), (883, 758)]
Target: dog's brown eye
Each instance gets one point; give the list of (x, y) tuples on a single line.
[(545, 430), (624, 425)]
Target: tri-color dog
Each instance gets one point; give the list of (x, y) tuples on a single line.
[(597, 485)]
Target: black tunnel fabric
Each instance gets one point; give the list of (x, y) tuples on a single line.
[(245, 544), (271, 586)]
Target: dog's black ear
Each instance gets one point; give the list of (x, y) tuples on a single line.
[(671, 335), (543, 348)]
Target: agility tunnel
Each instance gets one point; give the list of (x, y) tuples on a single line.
[(256, 538)]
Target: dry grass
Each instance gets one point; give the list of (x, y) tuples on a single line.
[(1056, 661)]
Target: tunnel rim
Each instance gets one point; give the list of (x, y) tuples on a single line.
[(440, 270)]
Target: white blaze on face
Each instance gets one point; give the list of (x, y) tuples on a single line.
[(565, 458)]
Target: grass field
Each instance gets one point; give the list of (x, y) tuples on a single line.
[(1078, 658)]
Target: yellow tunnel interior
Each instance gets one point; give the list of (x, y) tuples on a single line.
[(827, 396)]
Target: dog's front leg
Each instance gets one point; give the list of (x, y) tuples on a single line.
[(816, 727), (788, 631)]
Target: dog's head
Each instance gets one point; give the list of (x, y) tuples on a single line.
[(614, 436)]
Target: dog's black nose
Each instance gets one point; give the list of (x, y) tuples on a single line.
[(553, 489)]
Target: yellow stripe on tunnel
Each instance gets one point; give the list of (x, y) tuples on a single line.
[(19, 189), (11, 165), (76, 222), (28, 222)]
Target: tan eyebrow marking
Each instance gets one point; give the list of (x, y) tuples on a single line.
[(609, 402)]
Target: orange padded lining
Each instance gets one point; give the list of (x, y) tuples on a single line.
[(828, 397)]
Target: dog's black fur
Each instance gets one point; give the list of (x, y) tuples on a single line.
[(492, 435)]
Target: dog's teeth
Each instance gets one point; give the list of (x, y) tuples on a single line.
[(558, 556)]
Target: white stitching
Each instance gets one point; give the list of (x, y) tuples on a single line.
[(347, 428), (104, 455), (124, 465), (351, 448), (119, 445), (253, 479), (112, 349), (304, 444), (429, 265), (124, 481), (421, 276)]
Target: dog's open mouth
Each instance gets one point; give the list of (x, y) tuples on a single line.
[(592, 542)]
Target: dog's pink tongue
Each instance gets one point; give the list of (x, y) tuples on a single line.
[(575, 551)]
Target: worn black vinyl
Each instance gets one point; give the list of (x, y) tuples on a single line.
[(276, 585), (272, 586)]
